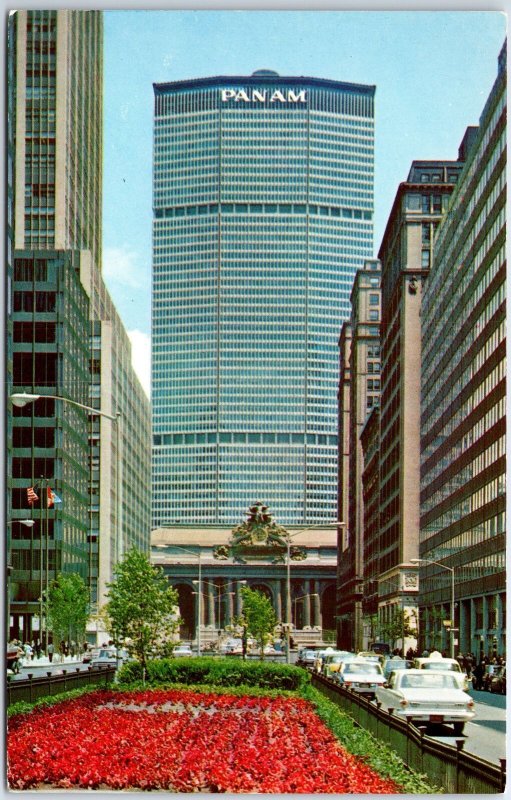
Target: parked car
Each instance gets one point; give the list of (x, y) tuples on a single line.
[(427, 696), (440, 664), (109, 655), (182, 651), (498, 680), (392, 664), (332, 662), (362, 676)]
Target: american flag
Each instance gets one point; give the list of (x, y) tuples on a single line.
[(31, 495)]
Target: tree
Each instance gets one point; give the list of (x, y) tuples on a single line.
[(68, 608), (259, 618), (399, 626), (141, 608)]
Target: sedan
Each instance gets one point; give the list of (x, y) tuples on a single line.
[(306, 658), (332, 663), (427, 696), (440, 664), (361, 676), (393, 664)]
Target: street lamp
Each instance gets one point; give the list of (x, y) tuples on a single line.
[(290, 536), (21, 399), (420, 561)]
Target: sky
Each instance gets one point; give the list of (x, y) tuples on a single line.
[(433, 71)]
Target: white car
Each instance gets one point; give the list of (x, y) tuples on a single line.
[(440, 664), (427, 696), (363, 677), (109, 655), (182, 651)]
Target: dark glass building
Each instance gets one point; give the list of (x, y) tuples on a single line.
[(263, 211)]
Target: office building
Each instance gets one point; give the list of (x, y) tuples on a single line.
[(263, 206), (65, 338), (359, 392), (406, 254), (463, 468)]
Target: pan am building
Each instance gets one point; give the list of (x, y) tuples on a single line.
[(263, 211)]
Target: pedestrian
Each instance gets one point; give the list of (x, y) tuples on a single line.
[(478, 675), (425, 654), (28, 651), (468, 663), (50, 650), (37, 649)]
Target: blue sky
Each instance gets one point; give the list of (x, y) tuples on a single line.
[(433, 71)]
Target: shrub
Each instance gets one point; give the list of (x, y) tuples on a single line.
[(216, 672)]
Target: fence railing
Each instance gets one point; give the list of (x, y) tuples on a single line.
[(34, 687), (446, 766)]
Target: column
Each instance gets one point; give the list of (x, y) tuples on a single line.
[(230, 603), (307, 604), (238, 599), (316, 606), (278, 601), (210, 597), (283, 599)]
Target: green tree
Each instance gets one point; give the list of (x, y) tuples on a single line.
[(399, 626), (141, 608), (68, 608), (259, 618)]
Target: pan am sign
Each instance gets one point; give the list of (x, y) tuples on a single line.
[(264, 96)]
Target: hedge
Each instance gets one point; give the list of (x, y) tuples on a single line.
[(216, 672)]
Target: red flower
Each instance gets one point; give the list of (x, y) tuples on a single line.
[(183, 741)]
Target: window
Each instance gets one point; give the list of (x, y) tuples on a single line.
[(413, 202), (374, 299), (374, 316), (425, 258)]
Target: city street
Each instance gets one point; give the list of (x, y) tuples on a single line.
[(39, 668), (485, 736)]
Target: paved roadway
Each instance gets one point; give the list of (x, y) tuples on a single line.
[(39, 668), (485, 736)]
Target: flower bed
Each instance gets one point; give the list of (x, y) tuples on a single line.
[(183, 741)]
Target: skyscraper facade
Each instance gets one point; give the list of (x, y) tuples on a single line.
[(65, 336), (359, 346), (263, 206), (463, 424)]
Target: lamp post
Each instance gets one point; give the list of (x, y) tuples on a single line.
[(290, 536), (21, 399), (451, 570)]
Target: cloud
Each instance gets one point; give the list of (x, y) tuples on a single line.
[(141, 358), (121, 265)]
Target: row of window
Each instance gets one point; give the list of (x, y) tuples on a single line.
[(244, 438), (261, 208)]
